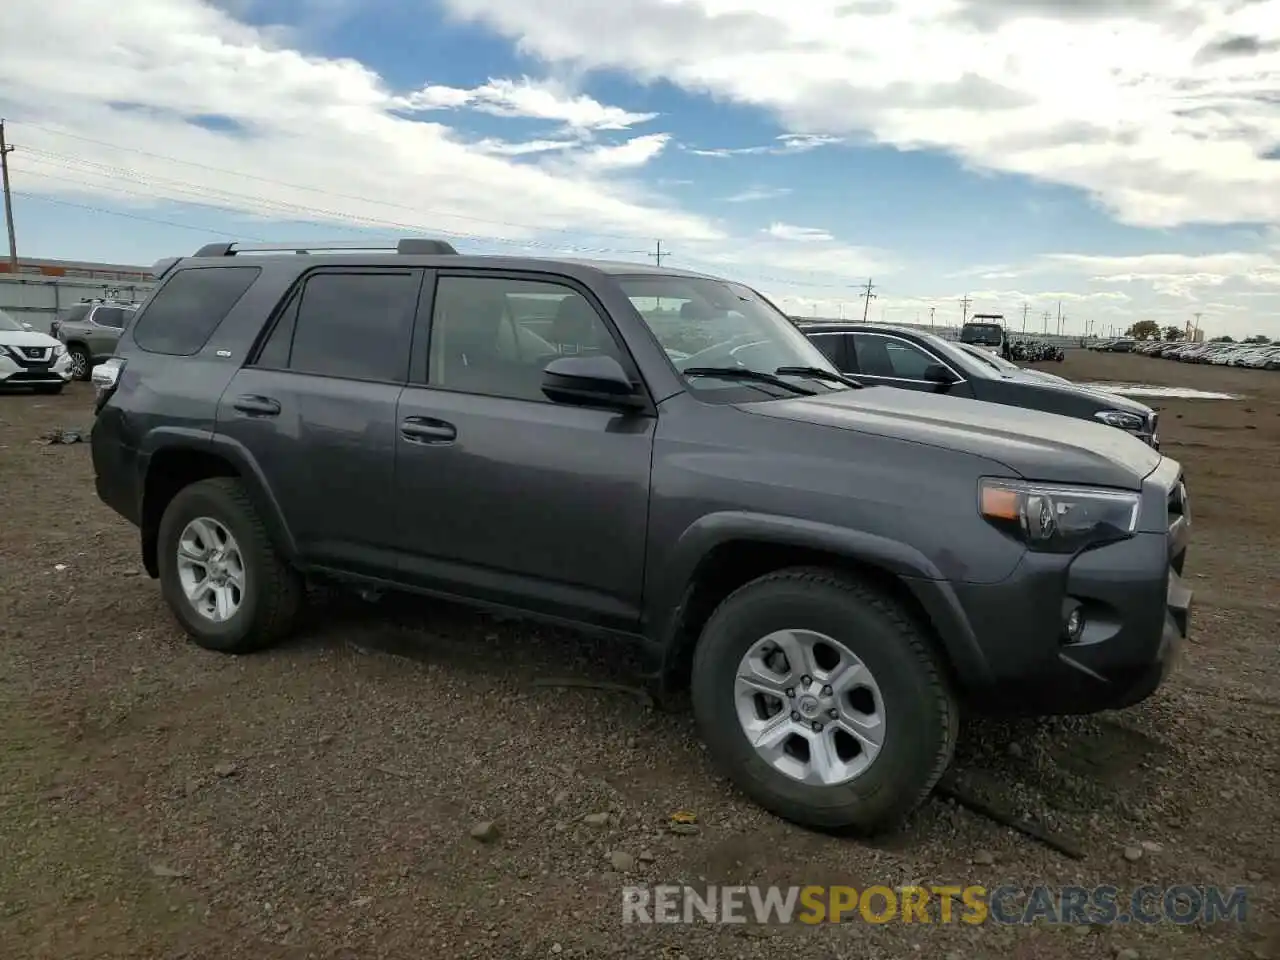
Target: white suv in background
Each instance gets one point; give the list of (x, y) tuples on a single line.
[(31, 359)]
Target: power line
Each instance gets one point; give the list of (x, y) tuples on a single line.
[(320, 190), (41, 198), (658, 254), (5, 150), (867, 297), (230, 201)]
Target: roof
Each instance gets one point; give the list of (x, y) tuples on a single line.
[(854, 326)]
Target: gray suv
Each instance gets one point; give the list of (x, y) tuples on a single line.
[(651, 454), (91, 329)]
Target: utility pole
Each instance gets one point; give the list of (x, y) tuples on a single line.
[(867, 297), (931, 309), (1059, 318), (1026, 308), (964, 307), (5, 150), (1197, 330), (1047, 315), (659, 254)]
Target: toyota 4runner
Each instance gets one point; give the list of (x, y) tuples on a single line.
[(651, 453)]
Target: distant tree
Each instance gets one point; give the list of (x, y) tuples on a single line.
[(1221, 340), (1258, 338), (1144, 330), (1172, 333)]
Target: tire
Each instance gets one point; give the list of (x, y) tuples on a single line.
[(921, 715), (272, 591), (81, 362)]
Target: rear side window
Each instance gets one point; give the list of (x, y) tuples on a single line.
[(74, 314), (349, 325), (109, 317), (184, 312)]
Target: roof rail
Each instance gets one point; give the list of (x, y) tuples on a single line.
[(407, 246), (163, 266)]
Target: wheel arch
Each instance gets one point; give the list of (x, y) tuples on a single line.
[(723, 552), (176, 463)]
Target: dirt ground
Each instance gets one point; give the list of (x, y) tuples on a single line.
[(317, 800)]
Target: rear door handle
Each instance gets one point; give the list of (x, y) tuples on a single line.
[(427, 430), (257, 406)]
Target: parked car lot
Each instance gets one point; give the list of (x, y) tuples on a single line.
[(319, 797)]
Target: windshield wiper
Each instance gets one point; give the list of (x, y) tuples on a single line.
[(817, 373), (743, 373)]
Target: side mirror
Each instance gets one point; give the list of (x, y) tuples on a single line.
[(597, 381), (937, 373)]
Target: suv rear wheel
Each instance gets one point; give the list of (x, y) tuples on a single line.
[(823, 701), (220, 573)]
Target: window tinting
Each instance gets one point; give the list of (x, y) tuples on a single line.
[(185, 311), (355, 325), (73, 314), (494, 335), (109, 317), (829, 344), (275, 352), (886, 357)]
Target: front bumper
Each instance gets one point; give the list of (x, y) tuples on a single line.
[(43, 370), (1136, 609)]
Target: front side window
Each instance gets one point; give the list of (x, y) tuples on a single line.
[(715, 325), (109, 317), (887, 357), (494, 335)]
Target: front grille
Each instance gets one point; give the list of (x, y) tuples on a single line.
[(31, 358), (34, 353)]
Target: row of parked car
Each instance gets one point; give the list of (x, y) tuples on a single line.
[(1035, 351), (1258, 356)]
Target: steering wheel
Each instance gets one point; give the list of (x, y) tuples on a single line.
[(698, 359)]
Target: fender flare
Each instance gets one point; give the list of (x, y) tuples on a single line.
[(166, 439), (934, 593)]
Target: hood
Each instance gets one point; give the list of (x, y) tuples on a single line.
[(1111, 401), (27, 338), (1031, 444)]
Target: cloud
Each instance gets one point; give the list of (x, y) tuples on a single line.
[(787, 231), (300, 136), (784, 144), (753, 194), (1107, 97), (525, 98), (1186, 276)]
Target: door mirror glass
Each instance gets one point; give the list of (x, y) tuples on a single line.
[(590, 381)]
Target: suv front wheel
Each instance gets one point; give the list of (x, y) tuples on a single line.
[(219, 572), (823, 700)]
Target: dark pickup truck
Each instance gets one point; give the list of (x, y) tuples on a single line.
[(652, 454)]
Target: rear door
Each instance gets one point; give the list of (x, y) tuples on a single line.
[(103, 331), (316, 409)]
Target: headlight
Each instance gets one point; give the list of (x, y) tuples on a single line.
[(60, 350), (1122, 419), (1058, 519)]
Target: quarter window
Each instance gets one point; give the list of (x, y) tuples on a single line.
[(185, 311)]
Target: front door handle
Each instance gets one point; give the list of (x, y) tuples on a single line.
[(427, 430), (257, 406)]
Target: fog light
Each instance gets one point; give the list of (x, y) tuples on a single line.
[(1074, 625)]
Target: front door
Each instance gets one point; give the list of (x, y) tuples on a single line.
[(502, 494), (881, 358)]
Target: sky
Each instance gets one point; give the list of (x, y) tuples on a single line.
[(1108, 162)]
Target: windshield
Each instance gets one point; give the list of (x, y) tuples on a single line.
[(707, 323), (8, 323), (986, 334), (959, 357), (993, 360)]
